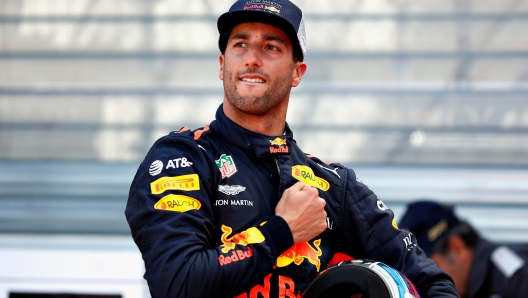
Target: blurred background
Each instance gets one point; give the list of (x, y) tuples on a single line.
[(424, 99)]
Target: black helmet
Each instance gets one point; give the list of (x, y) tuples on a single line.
[(369, 278)]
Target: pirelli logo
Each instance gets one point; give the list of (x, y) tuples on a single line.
[(184, 182)]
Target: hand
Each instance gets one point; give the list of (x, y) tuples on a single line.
[(303, 210)]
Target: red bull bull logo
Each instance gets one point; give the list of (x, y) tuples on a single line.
[(300, 252), (278, 142), (281, 144), (273, 9), (249, 236)]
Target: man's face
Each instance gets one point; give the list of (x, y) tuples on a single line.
[(257, 69), (457, 269)]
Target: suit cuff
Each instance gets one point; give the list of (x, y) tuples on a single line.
[(278, 235)]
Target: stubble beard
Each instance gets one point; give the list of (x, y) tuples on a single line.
[(277, 92)]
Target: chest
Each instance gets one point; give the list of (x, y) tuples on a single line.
[(246, 189)]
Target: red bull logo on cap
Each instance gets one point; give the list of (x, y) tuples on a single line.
[(300, 252), (271, 8)]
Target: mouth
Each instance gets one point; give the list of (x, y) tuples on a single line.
[(252, 79)]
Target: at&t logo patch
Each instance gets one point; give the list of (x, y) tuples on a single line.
[(156, 167)]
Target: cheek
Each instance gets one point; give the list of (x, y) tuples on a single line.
[(448, 267)]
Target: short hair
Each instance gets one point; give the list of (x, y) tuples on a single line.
[(463, 229)]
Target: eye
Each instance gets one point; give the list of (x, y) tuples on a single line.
[(271, 47), (240, 45)]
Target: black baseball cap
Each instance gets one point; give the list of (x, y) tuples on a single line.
[(282, 14), (429, 221)]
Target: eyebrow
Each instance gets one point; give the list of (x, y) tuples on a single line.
[(264, 36)]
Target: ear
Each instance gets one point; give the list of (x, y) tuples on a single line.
[(298, 73), (457, 248), (221, 59)]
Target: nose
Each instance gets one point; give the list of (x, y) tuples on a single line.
[(253, 57)]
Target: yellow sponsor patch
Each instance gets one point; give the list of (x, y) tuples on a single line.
[(184, 182), (394, 224), (178, 203), (305, 174)]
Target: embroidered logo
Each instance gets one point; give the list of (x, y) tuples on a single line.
[(300, 252), (278, 142), (226, 165), (305, 174), (184, 182), (178, 162), (178, 203), (273, 9), (249, 236), (278, 145), (231, 190), (156, 167), (381, 205)]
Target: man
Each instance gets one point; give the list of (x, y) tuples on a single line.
[(236, 208), (478, 267)]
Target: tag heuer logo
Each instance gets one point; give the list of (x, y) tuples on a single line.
[(226, 165)]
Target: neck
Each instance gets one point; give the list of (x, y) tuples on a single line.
[(272, 123)]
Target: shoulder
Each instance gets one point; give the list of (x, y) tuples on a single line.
[(182, 150), (186, 134), (184, 139), (319, 161)]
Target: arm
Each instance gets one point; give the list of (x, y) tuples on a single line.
[(368, 221), (172, 223)]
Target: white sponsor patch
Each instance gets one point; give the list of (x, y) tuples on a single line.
[(233, 203), (329, 223), (506, 260), (408, 242), (156, 167), (231, 190), (381, 205), (178, 162)]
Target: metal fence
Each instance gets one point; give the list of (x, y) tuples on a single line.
[(86, 86)]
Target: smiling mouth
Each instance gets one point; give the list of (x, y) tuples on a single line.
[(252, 80)]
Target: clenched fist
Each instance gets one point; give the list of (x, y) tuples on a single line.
[(303, 210)]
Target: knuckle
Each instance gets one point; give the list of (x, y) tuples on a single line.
[(312, 191)]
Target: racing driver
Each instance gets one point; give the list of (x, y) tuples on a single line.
[(235, 208)]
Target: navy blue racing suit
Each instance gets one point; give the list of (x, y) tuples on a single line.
[(201, 210)]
